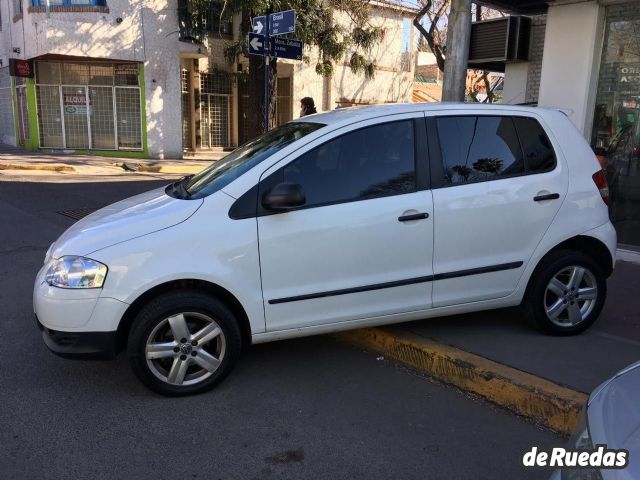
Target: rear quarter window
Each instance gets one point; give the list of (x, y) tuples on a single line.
[(536, 147)]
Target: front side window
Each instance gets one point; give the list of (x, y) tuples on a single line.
[(371, 162), (219, 174), (483, 148)]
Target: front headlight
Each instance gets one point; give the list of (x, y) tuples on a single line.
[(76, 272)]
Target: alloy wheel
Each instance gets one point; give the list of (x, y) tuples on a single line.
[(185, 349), (570, 296)]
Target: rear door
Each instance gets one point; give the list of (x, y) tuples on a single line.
[(361, 246), (497, 185)]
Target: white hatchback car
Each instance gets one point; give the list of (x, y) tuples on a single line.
[(347, 219)]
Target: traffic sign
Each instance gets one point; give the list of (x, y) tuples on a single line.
[(259, 24), (282, 23), (256, 44), (286, 48)]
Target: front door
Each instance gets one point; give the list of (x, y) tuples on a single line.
[(361, 246), (497, 188)]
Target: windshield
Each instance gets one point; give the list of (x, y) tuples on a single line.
[(219, 174)]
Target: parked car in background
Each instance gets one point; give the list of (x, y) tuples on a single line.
[(347, 219), (612, 418)]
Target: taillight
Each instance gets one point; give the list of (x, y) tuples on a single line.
[(602, 160), (600, 180)]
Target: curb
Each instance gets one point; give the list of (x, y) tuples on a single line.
[(44, 167), (547, 403)]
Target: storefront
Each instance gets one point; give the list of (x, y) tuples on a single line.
[(89, 106), (616, 125)]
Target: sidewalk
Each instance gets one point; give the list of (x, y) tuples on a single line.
[(15, 161), (495, 354)]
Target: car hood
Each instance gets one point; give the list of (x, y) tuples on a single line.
[(130, 218), (614, 419)]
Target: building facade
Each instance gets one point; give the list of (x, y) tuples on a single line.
[(584, 57), (123, 78)]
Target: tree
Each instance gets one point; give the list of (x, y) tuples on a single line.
[(432, 21), (316, 27)]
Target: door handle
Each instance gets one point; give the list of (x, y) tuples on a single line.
[(548, 196), (415, 216)]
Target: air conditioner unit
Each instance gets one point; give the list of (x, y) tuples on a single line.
[(498, 41)]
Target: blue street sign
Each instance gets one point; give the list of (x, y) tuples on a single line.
[(259, 24), (256, 44), (282, 23), (286, 48)]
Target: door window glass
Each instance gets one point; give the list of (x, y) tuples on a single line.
[(372, 162), (536, 147), (481, 148)]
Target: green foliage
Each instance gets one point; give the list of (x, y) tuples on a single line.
[(315, 27), (360, 64)]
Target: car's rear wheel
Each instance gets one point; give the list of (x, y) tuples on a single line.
[(183, 343), (566, 293)]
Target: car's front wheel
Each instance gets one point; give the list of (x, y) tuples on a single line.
[(566, 293), (183, 343)]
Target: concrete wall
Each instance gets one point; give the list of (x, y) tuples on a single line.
[(393, 80), (160, 48), (5, 33), (571, 58), (88, 34), (515, 82)]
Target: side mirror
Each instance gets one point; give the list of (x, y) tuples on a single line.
[(283, 196)]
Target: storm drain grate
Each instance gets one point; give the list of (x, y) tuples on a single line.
[(78, 213)]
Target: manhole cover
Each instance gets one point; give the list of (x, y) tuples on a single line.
[(78, 213)]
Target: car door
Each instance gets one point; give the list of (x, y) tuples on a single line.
[(497, 185), (361, 245)]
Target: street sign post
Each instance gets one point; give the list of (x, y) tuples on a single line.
[(285, 48), (282, 23), (261, 43)]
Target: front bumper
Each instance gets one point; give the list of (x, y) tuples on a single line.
[(77, 323), (80, 345)]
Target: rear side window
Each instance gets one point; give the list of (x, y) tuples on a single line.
[(536, 147), (372, 162), (484, 148)]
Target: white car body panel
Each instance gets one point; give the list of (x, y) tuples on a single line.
[(130, 218), (613, 414)]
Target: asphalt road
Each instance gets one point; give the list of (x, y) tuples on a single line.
[(308, 408)]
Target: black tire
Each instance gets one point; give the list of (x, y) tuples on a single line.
[(537, 298), (153, 319)]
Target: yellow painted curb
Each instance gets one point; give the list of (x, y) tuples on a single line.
[(28, 166), (547, 403)]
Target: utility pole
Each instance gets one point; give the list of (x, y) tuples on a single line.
[(457, 53)]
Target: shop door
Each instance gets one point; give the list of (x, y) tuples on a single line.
[(76, 123)]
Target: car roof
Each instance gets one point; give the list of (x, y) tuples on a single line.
[(353, 114)]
